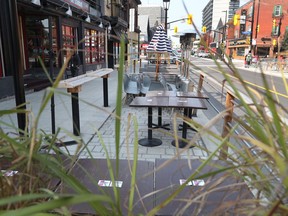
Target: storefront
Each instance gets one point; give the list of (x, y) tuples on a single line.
[(238, 48), (48, 33)]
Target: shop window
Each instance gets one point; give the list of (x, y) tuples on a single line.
[(37, 30), (101, 47), (94, 46), (69, 39), (240, 51)]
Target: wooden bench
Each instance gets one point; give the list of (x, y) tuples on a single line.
[(81, 79), (73, 86)]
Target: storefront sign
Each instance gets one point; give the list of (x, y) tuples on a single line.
[(80, 4)]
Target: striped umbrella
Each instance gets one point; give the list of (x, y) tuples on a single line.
[(159, 44)]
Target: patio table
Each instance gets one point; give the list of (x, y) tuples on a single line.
[(160, 94), (94, 175), (211, 195), (169, 102)]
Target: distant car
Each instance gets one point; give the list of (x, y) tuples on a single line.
[(203, 54), (173, 58)]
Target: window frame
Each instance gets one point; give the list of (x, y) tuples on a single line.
[(94, 46), (277, 10)]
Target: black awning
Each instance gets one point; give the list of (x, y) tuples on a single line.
[(116, 35)]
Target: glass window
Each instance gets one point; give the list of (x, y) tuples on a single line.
[(37, 30), (275, 30), (102, 47), (277, 10), (94, 46), (240, 51), (69, 39)]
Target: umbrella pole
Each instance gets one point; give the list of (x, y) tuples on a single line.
[(157, 66)]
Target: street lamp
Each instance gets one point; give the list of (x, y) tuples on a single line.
[(224, 27), (166, 4), (224, 32), (252, 26)]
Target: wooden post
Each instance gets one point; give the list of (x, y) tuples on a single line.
[(158, 61), (226, 125), (200, 85)]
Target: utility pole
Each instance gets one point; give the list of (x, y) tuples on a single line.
[(224, 32), (257, 25), (252, 27)]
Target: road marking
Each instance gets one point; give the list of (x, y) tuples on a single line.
[(252, 84)]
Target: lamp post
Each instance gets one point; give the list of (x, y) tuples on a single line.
[(166, 4), (224, 32), (224, 27), (252, 26)]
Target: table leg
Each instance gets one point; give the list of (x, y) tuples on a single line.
[(75, 114), (105, 92), (188, 127), (150, 141), (182, 143), (160, 125)]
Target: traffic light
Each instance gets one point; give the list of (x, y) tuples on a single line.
[(258, 28), (189, 19), (236, 19), (175, 29), (274, 22), (204, 29), (274, 42)]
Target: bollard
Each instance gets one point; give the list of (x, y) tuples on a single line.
[(226, 125)]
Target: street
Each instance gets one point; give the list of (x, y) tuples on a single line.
[(252, 77)]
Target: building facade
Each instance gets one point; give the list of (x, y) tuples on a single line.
[(216, 10), (150, 16), (154, 12), (47, 30), (261, 30)]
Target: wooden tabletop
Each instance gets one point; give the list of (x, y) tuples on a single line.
[(160, 93), (95, 176), (172, 102), (191, 94), (212, 192), (177, 94)]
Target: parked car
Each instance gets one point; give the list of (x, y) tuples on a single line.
[(173, 58), (203, 54)]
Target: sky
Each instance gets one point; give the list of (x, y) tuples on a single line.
[(176, 11)]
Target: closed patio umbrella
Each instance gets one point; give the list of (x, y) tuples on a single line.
[(159, 44)]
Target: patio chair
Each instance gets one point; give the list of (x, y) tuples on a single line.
[(167, 86), (145, 84), (131, 87)]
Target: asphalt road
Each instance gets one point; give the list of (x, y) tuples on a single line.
[(250, 76)]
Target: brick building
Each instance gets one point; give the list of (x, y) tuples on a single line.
[(268, 25)]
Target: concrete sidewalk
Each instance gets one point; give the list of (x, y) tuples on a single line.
[(96, 119)]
